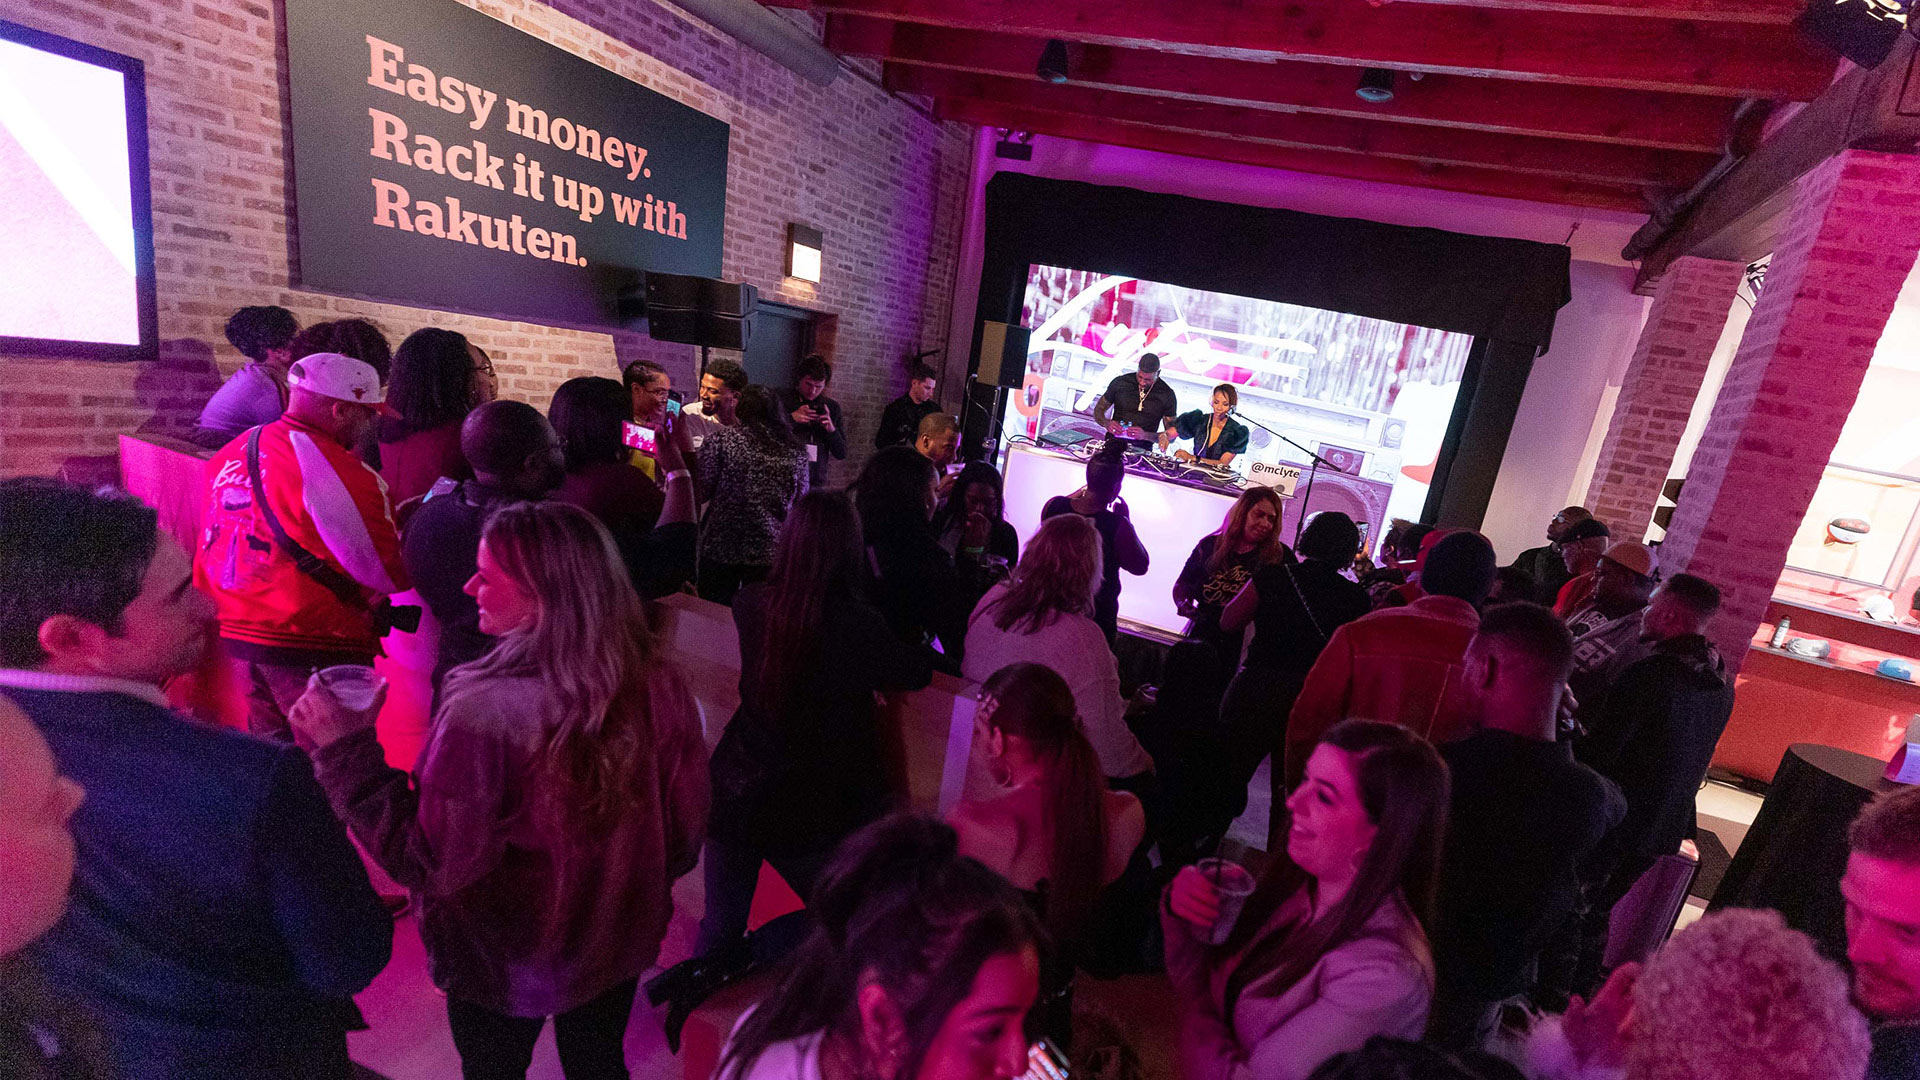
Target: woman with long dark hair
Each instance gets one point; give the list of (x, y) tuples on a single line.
[(561, 791), (438, 378), (915, 584), (750, 474), (802, 763), (1222, 562), (1294, 609), (923, 966), (1331, 948), (1058, 834), (972, 527)]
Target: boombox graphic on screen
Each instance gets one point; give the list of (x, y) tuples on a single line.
[(1365, 501)]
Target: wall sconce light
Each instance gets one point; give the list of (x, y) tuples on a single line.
[(803, 252)]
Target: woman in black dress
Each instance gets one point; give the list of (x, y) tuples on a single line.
[(1294, 609)]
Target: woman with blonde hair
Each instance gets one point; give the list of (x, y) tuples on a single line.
[(1044, 614), (562, 790)]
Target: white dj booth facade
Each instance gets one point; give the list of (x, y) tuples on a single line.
[(1171, 516)]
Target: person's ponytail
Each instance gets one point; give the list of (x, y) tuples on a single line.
[(1078, 809), (1033, 703)]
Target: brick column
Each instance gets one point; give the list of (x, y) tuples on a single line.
[(1689, 310), (1843, 253)]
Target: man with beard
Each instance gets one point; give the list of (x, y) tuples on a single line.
[(1882, 888), (1544, 567), (1654, 737)]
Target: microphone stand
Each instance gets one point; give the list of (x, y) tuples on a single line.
[(1301, 521)]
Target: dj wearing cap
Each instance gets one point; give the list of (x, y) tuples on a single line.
[(299, 543), (1607, 628), (1137, 405)]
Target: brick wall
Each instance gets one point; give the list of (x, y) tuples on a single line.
[(884, 182), (1843, 253), (1657, 396)]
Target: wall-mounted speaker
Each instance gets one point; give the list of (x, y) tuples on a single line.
[(699, 311), (1003, 354)]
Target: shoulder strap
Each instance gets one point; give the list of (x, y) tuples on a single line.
[(330, 577), (1304, 606)]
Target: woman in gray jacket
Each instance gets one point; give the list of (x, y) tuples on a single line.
[(1331, 948)]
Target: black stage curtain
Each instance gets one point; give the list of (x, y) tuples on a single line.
[(1503, 291)]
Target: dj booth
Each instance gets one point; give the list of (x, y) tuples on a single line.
[(1172, 507)]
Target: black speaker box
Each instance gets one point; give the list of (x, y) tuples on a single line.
[(699, 311), (1003, 354)]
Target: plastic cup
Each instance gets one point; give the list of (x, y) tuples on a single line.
[(1234, 885), (353, 685)]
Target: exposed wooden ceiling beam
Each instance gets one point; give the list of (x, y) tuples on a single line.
[(1325, 162), (1679, 56), (1735, 219), (1622, 165), (1595, 114), (1762, 12)]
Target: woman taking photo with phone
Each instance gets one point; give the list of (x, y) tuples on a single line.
[(1331, 947), (923, 966)]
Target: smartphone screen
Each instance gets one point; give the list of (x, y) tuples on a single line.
[(638, 436), (673, 403), (1045, 1062)]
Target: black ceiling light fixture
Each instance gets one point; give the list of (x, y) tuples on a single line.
[(1014, 145), (1376, 85), (1053, 62)]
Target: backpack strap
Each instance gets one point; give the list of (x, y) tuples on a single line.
[(332, 578)]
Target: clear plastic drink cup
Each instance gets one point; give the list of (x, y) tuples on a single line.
[(1233, 884), (353, 685)]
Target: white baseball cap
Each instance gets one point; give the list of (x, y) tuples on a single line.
[(340, 377)]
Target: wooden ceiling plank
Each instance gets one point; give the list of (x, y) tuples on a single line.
[(1677, 56), (1758, 12), (1623, 117), (1322, 162), (1513, 153), (1869, 108)]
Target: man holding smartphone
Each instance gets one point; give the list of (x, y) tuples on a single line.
[(816, 418)]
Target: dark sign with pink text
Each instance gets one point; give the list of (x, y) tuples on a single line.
[(446, 159)]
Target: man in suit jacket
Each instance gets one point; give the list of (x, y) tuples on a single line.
[(220, 920)]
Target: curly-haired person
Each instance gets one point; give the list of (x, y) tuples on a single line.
[(1736, 996)]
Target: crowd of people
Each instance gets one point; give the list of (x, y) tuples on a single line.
[(1463, 788)]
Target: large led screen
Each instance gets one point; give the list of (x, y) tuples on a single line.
[(76, 262), (1372, 397)]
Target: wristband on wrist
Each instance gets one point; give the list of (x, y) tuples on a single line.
[(677, 474)]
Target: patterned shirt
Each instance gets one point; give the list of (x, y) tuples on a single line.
[(750, 486)]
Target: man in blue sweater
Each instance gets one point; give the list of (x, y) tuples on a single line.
[(220, 920)]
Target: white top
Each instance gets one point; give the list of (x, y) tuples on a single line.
[(1075, 647), (795, 1059)]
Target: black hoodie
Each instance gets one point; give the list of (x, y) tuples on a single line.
[(1655, 737)]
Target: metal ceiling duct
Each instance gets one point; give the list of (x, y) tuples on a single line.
[(767, 33)]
